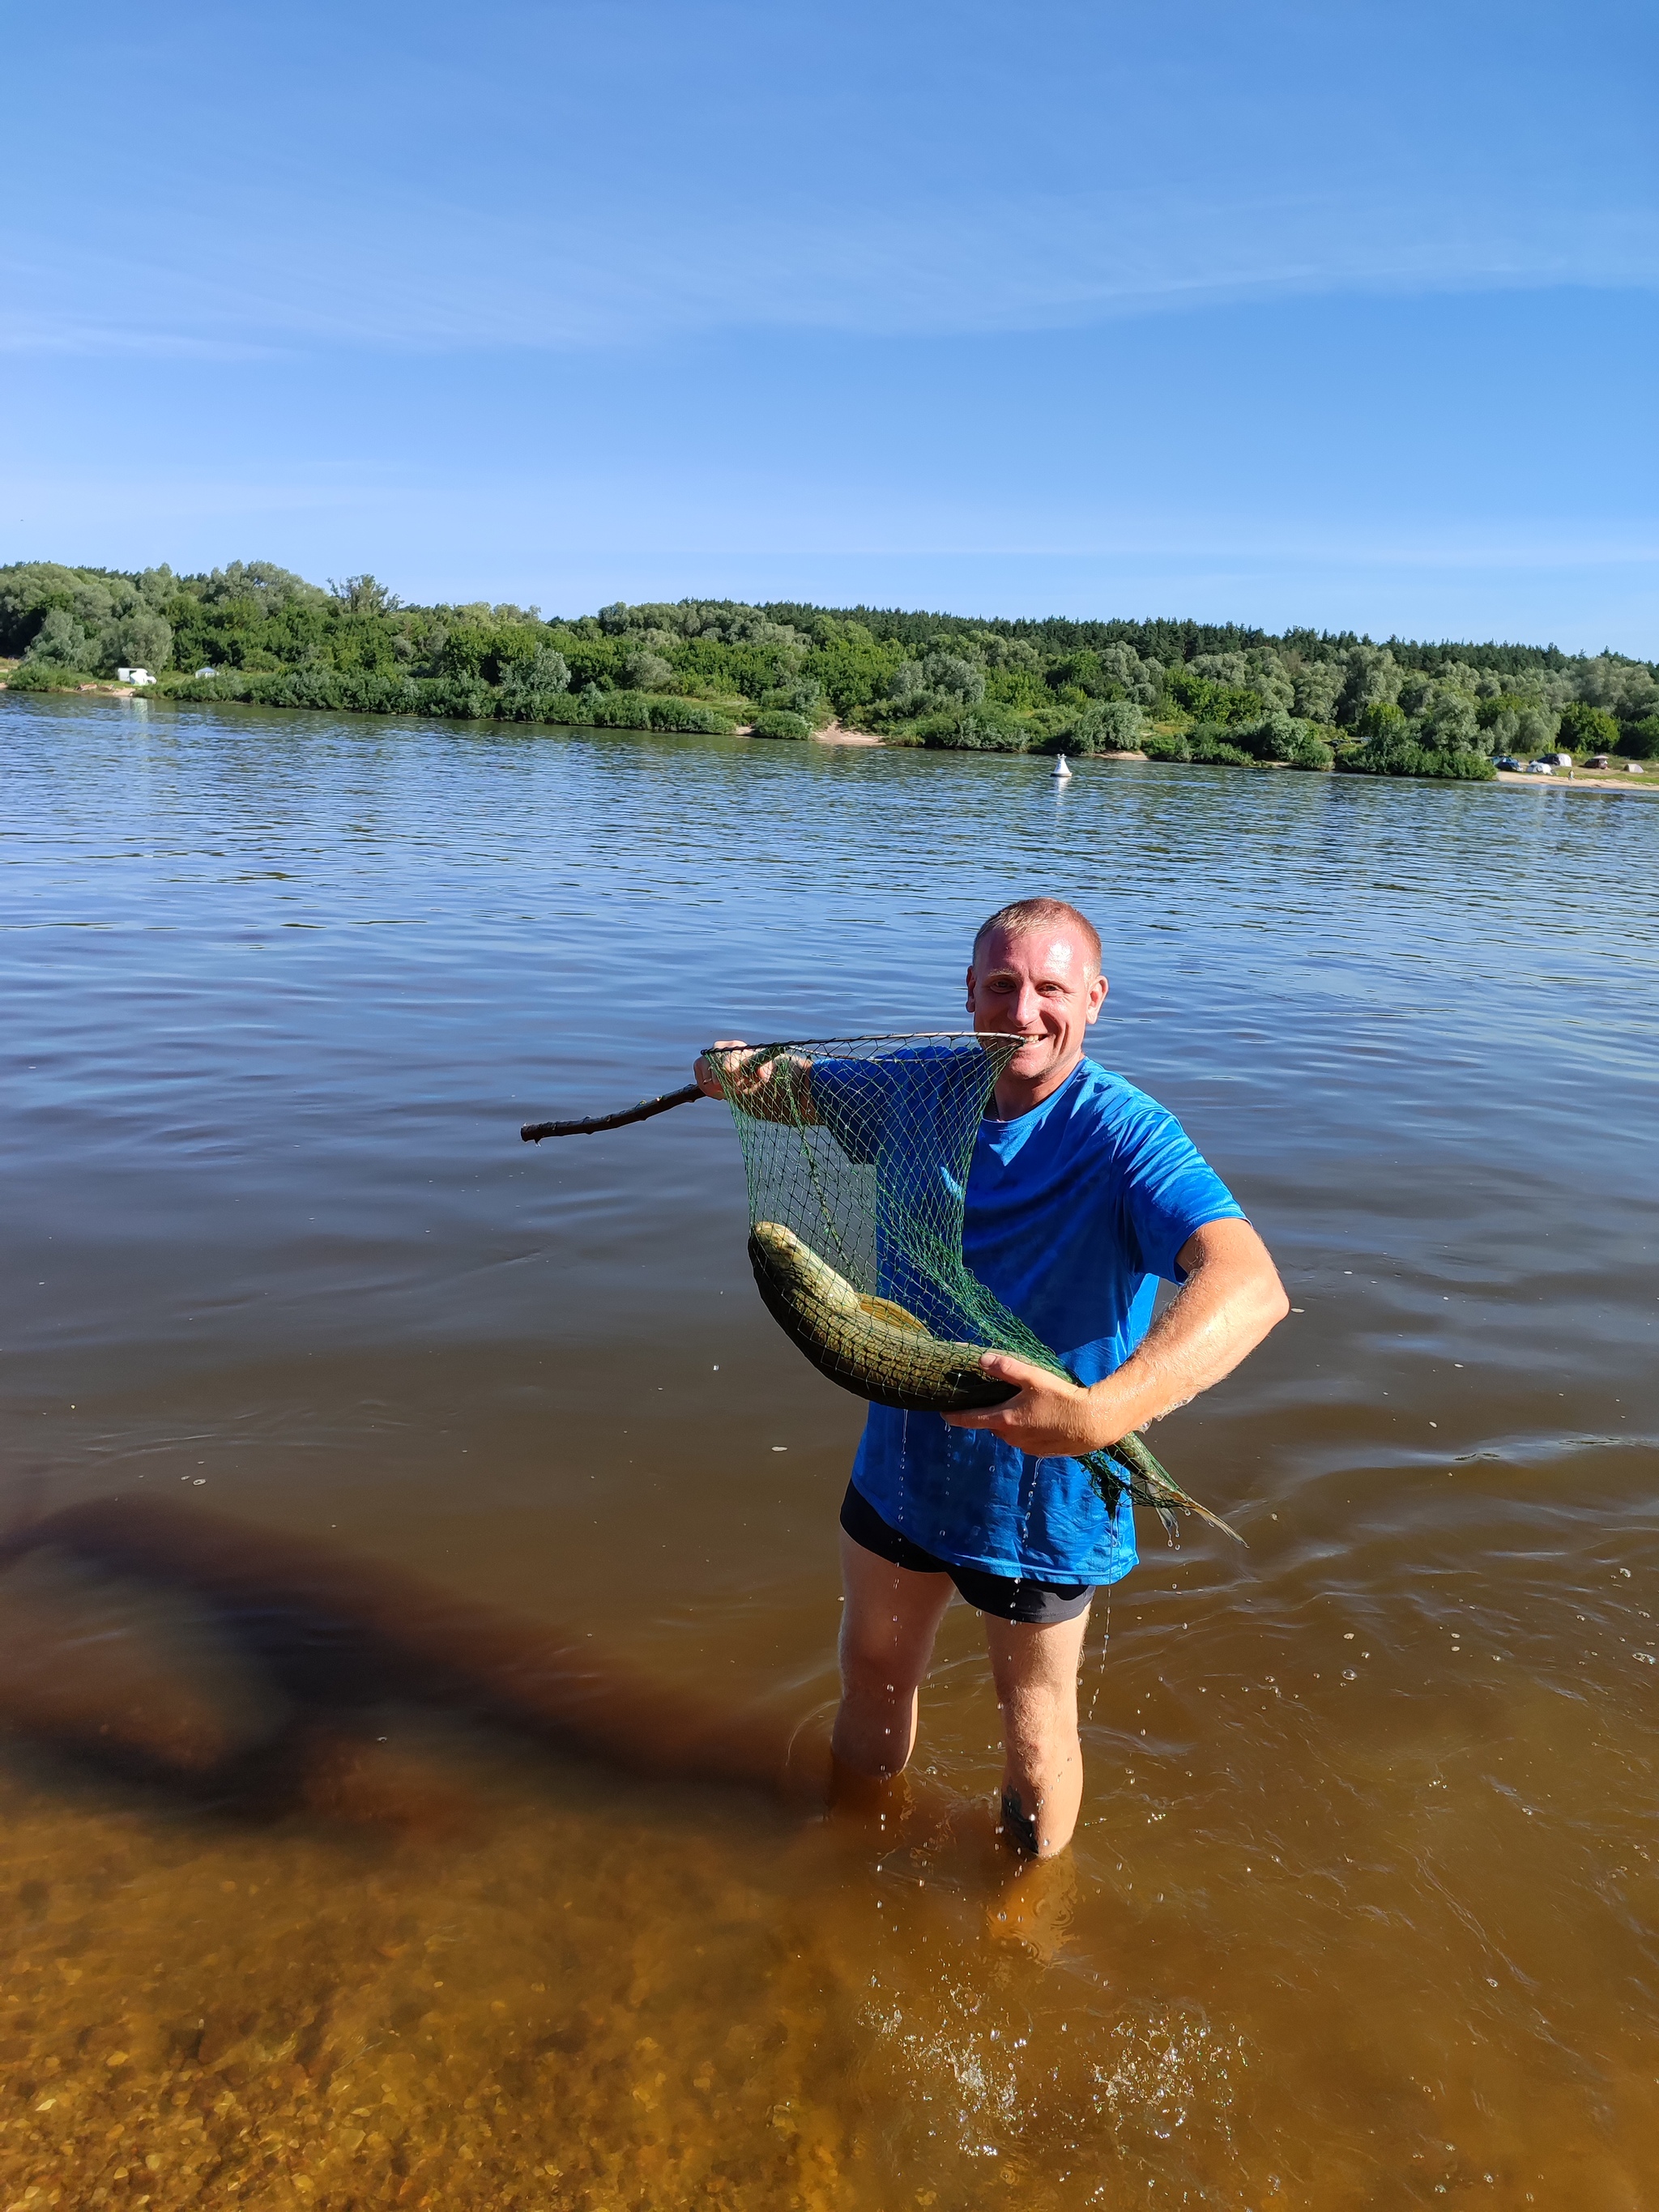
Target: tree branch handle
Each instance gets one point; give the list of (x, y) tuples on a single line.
[(533, 1131)]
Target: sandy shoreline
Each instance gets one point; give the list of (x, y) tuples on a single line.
[(833, 734), (1612, 786), (837, 733)]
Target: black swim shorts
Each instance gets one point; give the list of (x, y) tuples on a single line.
[(1037, 1604)]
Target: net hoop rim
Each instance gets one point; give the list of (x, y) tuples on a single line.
[(891, 1036)]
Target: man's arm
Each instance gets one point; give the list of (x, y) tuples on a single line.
[(1230, 1299)]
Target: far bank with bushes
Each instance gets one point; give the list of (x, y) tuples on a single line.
[(1220, 695)]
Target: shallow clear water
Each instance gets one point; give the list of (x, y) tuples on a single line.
[(375, 1423)]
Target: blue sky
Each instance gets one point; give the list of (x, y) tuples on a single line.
[(1337, 315)]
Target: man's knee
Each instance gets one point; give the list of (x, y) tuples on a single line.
[(870, 1676), (1035, 1671), (1039, 1762), (1039, 1714)]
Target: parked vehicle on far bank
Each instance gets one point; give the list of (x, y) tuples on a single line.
[(1541, 768), (1508, 761)]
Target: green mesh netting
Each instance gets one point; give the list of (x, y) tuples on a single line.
[(856, 1152)]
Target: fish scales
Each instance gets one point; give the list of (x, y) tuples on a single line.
[(872, 1347), (876, 1349)]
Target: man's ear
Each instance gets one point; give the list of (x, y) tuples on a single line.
[(1097, 991), (969, 987)]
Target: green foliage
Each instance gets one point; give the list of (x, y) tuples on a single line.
[(483, 649), (362, 595), (45, 676), (1395, 752), (1447, 722), (1316, 687), (1078, 675), (1444, 721), (803, 698), (86, 618), (60, 641), (941, 686), (1260, 672), (644, 670), (735, 672), (534, 682), (1224, 705), (591, 659), (260, 583), (1536, 728), (370, 691), (1380, 718), (466, 697), (1213, 744), (1499, 707), (524, 703), (639, 710), (975, 729), (1276, 736), (779, 722), (1641, 739), (1511, 722), (1372, 679), (1017, 687), (1188, 693), (854, 668), (917, 678), (1284, 738), (1627, 688), (1166, 746), (1106, 725), (1586, 729)]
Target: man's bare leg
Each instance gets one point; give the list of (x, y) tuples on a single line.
[(1035, 1671), (888, 1625)]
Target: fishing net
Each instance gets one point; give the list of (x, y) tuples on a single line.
[(859, 1148)]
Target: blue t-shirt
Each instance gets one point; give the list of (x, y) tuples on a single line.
[(1072, 1212)]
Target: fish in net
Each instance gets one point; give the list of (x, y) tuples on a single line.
[(856, 1152)]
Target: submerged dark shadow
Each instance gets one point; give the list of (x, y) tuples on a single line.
[(332, 1639)]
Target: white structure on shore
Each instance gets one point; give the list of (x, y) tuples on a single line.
[(134, 676)]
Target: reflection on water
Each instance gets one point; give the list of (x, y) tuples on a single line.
[(413, 1643)]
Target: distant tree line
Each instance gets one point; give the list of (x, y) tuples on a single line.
[(1176, 690)]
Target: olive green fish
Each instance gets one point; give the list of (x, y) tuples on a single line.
[(870, 1346), (880, 1351)]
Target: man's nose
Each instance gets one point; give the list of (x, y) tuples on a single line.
[(1027, 1008)]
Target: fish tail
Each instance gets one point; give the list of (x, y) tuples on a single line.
[(1133, 1468)]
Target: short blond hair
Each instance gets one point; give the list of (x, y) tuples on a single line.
[(1024, 915)]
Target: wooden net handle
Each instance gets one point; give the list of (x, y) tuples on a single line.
[(533, 1131)]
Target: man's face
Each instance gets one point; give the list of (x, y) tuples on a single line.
[(1038, 984)]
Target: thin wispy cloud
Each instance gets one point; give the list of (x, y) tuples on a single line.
[(572, 177), (730, 294), (1016, 261)]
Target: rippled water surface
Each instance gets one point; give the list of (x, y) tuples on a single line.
[(441, 1542)]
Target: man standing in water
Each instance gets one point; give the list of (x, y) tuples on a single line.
[(1083, 1193)]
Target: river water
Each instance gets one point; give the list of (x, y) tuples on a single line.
[(351, 1420)]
